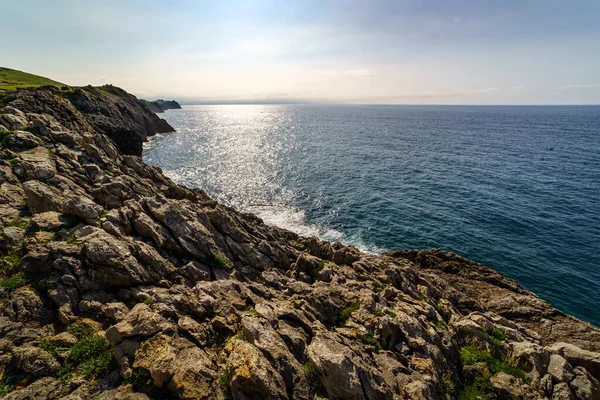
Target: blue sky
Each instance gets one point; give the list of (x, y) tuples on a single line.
[(439, 52)]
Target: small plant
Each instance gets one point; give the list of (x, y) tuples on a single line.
[(217, 260), (80, 330), (92, 355), (7, 385), (322, 264), (369, 339), (473, 353), (292, 255), (224, 384), (312, 377), (391, 314), (72, 239), (139, 377), (471, 392), (379, 287), (19, 222), (103, 214), (148, 301), (448, 383), (17, 280), (497, 337), (10, 264), (344, 315), (440, 325), (5, 137), (53, 348)]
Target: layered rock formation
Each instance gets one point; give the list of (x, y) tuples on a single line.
[(160, 105), (119, 284)]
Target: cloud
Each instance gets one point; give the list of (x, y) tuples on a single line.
[(518, 87)]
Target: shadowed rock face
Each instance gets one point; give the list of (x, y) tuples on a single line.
[(172, 295), (161, 105)]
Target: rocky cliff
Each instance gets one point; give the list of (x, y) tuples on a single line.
[(117, 283), (160, 105)]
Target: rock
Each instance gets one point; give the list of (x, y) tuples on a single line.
[(560, 369), (63, 339), (194, 375), (47, 388), (585, 386), (578, 357), (141, 321), (49, 221), (34, 361), (251, 375), (83, 208), (42, 198), (341, 373), (25, 139), (36, 164), (157, 356), (562, 392)]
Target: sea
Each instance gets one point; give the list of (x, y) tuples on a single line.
[(515, 188)]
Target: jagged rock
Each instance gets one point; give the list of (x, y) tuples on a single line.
[(34, 360), (141, 321), (560, 369), (42, 198), (585, 386), (83, 208), (24, 139), (562, 392), (251, 375), (193, 376), (49, 221), (157, 356), (47, 388), (579, 357)]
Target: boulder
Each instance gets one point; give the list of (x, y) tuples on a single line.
[(560, 369), (140, 321), (47, 388), (34, 361)]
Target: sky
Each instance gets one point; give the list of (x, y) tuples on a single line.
[(337, 51)]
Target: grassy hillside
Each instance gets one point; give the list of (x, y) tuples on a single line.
[(11, 79)]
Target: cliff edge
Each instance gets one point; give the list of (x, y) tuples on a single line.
[(117, 283)]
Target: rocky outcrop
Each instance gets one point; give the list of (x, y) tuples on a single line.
[(117, 283), (160, 105)]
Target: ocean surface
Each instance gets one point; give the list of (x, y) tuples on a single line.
[(515, 188)]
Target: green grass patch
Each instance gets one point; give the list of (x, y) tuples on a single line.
[(20, 222), (148, 301), (473, 353), (10, 264), (369, 339), (5, 137), (471, 392), (11, 79), (16, 281), (391, 314), (345, 314), (53, 348), (80, 330), (7, 385), (322, 263), (378, 287), (91, 356), (497, 337), (217, 260), (72, 239)]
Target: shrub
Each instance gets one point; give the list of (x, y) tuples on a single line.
[(92, 355), (7, 385), (344, 315), (473, 353), (224, 384), (217, 260), (19, 222), (80, 330)]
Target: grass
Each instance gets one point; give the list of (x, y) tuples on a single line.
[(91, 356), (72, 239), (17, 280), (11, 79), (4, 137), (148, 301), (53, 348), (7, 385), (391, 314), (497, 337), (378, 287), (224, 384), (448, 383), (312, 377), (10, 264), (19, 222), (345, 314), (473, 353), (322, 263), (217, 260), (369, 339), (440, 325)]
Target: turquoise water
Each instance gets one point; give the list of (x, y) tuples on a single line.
[(514, 188)]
